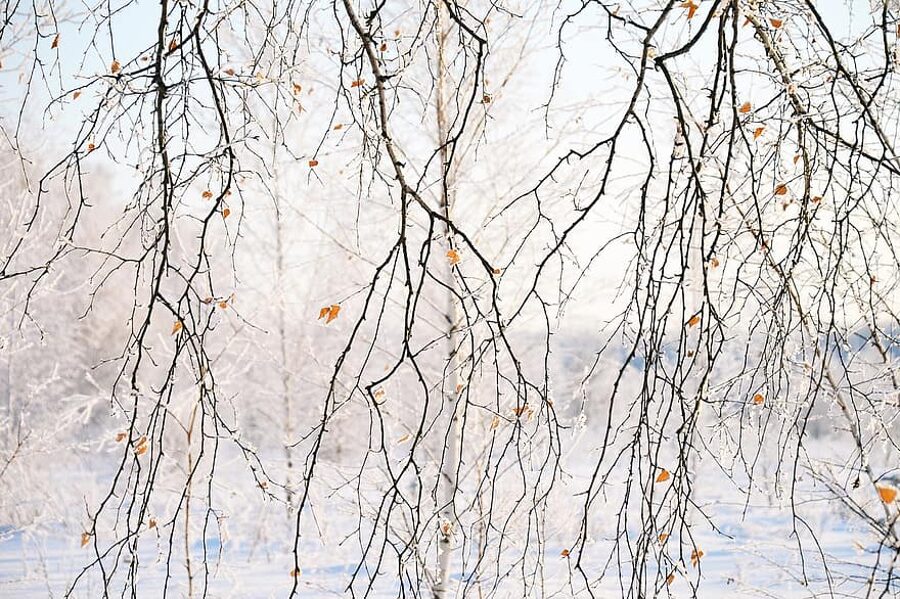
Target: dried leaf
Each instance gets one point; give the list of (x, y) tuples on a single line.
[(670, 578), (295, 572), (75, 95), (453, 257), (564, 553), (152, 523), (663, 476), (91, 147), (338, 127), (495, 422), (796, 158), (85, 538), (486, 99), (313, 163), (695, 556), (207, 194), (176, 327), (776, 23), (745, 108), (297, 88), (140, 449), (781, 189), (691, 8), (757, 132), (115, 67), (226, 212), (714, 262), (173, 45), (663, 536), (816, 199), (332, 313), (358, 83), (694, 321), (758, 399), (403, 439), (383, 47), (55, 42), (887, 492), (120, 437), (223, 305), (229, 72)]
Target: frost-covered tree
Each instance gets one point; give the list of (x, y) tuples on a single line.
[(459, 299)]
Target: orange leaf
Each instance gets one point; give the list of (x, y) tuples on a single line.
[(776, 23), (663, 536), (85, 538), (358, 83), (329, 313), (313, 163), (226, 212), (564, 553), (115, 67), (140, 449), (223, 304), (758, 131), (173, 45), (670, 578), (295, 572), (495, 422), (176, 327), (338, 127), (758, 399), (816, 199), (91, 147), (297, 88), (55, 42), (453, 257), (781, 189), (691, 8), (694, 321), (887, 492), (695, 556), (745, 108), (663, 476), (207, 194)]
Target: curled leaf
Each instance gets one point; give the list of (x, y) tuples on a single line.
[(691, 8), (329, 313)]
